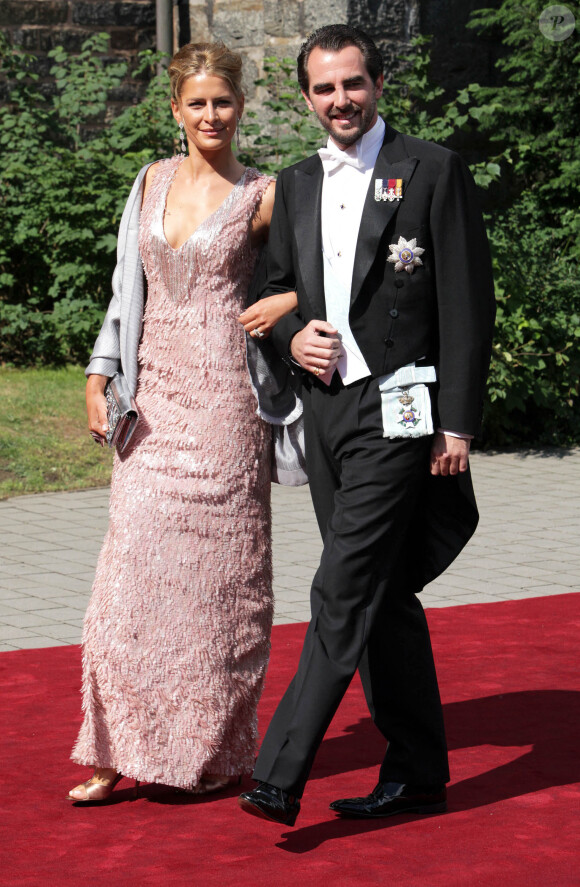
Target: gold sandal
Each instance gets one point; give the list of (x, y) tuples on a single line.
[(97, 791)]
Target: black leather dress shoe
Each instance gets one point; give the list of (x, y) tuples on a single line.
[(270, 802), (389, 798)]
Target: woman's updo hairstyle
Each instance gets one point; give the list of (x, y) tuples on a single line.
[(209, 58)]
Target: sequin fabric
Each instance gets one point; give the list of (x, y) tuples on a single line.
[(176, 636)]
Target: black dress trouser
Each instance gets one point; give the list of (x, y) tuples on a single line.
[(367, 494)]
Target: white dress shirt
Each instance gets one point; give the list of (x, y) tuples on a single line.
[(344, 191), (347, 176)]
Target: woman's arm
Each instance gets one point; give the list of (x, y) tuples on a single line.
[(263, 217), (265, 314)]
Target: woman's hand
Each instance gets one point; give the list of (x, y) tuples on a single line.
[(260, 319), (97, 407)]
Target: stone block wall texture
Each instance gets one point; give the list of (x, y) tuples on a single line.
[(257, 28), (40, 25), (277, 27)]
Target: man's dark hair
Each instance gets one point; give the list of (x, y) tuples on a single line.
[(335, 38)]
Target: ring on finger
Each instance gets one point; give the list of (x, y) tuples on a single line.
[(258, 333), (316, 371)]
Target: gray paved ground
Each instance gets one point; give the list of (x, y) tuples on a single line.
[(526, 545)]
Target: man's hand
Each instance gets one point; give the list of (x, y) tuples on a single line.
[(449, 455), (315, 353)]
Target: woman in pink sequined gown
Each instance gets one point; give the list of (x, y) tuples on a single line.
[(176, 636)]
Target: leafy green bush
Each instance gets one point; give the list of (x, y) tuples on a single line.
[(63, 184), (535, 369), (292, 134), (533, 117)]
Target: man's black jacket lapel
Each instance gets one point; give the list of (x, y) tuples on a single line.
[(392, 163), (308, 233)]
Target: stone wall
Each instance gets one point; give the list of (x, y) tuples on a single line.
[(40, 25), (256, 28), (278, 27)]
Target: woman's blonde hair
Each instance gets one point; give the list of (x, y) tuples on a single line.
[(211, 58)]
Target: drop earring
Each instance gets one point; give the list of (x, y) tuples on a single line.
[(182, 137), (238, 133)]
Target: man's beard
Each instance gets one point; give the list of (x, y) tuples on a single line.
[(345, 139)]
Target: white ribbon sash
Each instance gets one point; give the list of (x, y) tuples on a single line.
[(402, 419)]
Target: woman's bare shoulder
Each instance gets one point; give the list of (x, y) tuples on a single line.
[(152, 172)]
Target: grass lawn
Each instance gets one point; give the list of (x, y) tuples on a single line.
[(44, 441)]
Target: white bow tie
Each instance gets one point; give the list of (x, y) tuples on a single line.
[(332, 160)]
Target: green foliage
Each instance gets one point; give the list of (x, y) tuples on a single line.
[(292, 133), (533, 117), (534, 113), (414, 102), (63, 182), (535, 371)]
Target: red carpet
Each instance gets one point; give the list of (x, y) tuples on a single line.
[(511, 688)]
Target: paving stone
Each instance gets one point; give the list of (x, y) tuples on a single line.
[(27, 620), (73, 599), (448, 602), (12, 554), (77, 623), (285, 619), (12, 570), (82, 560), (11, 632), (59, 582), (289, 596), (292, 582), (7, 611), (63, 614), (283, 556), (64, 632), (553, 589), (30, 545), (34, 643), (54, 524), (28, 604), (296, 570), (526, 545)]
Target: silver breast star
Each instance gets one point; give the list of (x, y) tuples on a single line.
[(405, 254)]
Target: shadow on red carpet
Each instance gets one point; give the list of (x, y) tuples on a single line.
[(511, 690)]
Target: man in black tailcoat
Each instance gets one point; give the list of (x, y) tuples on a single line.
[(381, 236)]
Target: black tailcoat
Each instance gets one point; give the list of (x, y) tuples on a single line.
[(443, 312)]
